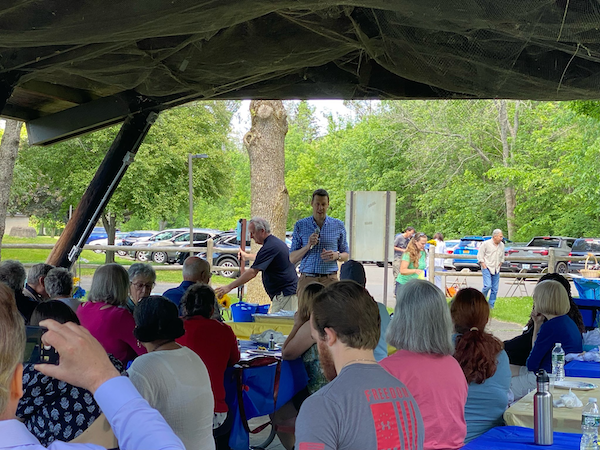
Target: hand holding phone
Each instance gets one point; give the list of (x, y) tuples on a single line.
[(35, 350)]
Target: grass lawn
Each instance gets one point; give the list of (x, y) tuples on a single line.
[(87, 257)]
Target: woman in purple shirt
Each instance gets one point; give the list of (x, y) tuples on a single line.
[(105, 314)]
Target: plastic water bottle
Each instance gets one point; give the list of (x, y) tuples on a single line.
[(590, 421), (558, 362)]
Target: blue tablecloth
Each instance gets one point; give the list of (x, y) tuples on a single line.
[(257, 393), (517, 438), (582, 369)]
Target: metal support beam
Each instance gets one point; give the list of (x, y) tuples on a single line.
[(105, 181), (81, 119)]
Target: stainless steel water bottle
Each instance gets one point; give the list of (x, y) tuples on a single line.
[(542, 411)]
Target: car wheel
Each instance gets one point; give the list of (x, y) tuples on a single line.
[(159, 257), (121, 253), (141, 256), (561, 267), (228, 262), (98, 251)]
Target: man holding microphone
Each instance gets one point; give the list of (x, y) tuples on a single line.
[(319, 242)]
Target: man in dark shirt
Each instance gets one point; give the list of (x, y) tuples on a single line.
[(279, 274), (35, 288)]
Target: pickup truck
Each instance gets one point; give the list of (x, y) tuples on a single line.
[(538, 246)]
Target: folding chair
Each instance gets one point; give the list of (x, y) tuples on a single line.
[(518, 283)]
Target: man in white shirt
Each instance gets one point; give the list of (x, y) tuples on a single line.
[(490, 258)]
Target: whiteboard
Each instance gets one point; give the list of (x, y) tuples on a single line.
[(366, 224)]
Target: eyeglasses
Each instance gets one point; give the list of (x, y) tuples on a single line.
[(143, 285), (420, 235)]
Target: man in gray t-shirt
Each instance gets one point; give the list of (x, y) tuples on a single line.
[(363, 407), (400, 244)]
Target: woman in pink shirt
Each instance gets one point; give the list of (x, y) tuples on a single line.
[(106, 316), (421, 330)]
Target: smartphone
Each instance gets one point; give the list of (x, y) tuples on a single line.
[(35, 350)]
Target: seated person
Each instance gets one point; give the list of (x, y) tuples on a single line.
[(13, 274), (52, 409), (421, 330), (172, 378), (355, 271), (300, 344), (105, 314), (142, 278), (551, 324), (83, 363), (34, 287), (59, 286), (483, 362), (518, 348), (216, 345)]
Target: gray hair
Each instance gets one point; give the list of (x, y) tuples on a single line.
[(141, 270), (13, 274), (110, 284), (36, 272), (261, 224), (59, 281), (496, 232), (196, 269), (421, 322)]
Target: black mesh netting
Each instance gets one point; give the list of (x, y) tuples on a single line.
[(535, 49)]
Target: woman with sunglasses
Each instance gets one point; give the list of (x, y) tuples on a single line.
[(414, 261)]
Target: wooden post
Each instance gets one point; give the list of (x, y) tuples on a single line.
[(551, 260), (105, 181), (209, 252), (431, 264)]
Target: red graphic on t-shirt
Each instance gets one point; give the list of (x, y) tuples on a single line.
[(311, 446), (386, 426)]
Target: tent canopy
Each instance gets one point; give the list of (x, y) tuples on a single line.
[(137, 54)]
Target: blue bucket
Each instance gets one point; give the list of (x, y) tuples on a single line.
[(242, 312), (263, 309)]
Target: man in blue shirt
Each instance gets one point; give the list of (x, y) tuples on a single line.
[(83, 363), (278, 273), (319, 242)]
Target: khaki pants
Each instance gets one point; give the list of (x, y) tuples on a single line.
[(284, 302), (304, 281)]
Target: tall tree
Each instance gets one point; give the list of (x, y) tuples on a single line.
[(270, 198), (9, 148)]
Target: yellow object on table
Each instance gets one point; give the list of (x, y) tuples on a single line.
[(243, 330), (566, 420)]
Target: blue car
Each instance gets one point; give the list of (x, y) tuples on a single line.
[(469, 245), (97, 233)]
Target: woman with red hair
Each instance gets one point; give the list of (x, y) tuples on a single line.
[(483, 361)]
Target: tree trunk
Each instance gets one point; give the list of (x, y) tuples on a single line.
[(270, 198), (9, 148), (110, 225), (509, 190)]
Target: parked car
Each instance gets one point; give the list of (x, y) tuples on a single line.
[(201, 235), (581, 247), (104, 241), (469, 245), (138, 252), (229, 242), (450, 246), (137, 236), (97, 233), (538, 246)]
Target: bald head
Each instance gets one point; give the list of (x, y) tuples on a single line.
[(196, 269)]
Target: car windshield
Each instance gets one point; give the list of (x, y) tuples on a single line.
[(584, 245), (470, 243), (545, 242)]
